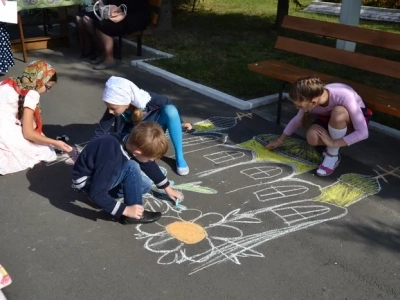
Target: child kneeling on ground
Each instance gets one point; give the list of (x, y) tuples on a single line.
[(127, 105), (342, 118), (110, 167)]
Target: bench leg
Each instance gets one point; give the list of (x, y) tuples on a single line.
[(278, 113), (139, 44)]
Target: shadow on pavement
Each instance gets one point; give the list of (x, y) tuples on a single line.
[(52, 181)]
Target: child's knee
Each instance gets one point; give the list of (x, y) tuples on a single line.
[(312, 138), (339, 117), (133, 166), (170, 110)]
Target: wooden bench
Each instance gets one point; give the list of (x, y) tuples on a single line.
[(376, 99), (155, 6)]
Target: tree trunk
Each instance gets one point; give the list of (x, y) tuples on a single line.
[(165, 18), (281, 12)]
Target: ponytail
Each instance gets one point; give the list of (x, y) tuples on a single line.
[(305, 120), (137, 115), (21, 100)]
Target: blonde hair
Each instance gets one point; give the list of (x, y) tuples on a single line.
[(137, 114), (306, 89), (149, 138)]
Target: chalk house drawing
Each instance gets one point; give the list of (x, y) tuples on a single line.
[(207, 239)]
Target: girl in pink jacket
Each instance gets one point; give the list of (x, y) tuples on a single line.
[(342, 118)]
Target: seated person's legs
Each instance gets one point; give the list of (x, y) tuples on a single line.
[(106, 57), (86, 33), (105, 31)]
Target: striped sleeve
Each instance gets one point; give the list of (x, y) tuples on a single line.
[(152, 170)]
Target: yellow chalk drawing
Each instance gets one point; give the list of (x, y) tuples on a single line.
[(262, 154), (349, 189), (195, 187), (186, 232), (204, 126), (292, 147), (219, 123)]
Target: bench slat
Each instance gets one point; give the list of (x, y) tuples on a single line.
[(356, 60), (345, 32), (376, 99)]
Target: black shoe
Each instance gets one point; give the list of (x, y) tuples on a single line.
[(147, 217)]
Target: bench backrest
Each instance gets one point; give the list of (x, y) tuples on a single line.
[(344, 32), (155, 6)]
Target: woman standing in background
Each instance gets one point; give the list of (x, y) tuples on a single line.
[(6, 55)]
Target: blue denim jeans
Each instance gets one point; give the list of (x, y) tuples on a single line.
[(130, 183)]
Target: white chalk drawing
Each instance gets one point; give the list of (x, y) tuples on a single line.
[(262, 172), (267, 179), (224, 156), (294, 214), (174, 235), (280, 191), (280, 201)]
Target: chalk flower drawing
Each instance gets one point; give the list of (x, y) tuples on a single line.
[(194, 236)]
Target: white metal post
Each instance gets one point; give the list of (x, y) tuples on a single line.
[(349, 15)]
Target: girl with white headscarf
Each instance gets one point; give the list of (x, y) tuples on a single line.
[(127, 105)]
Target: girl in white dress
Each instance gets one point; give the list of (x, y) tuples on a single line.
[(22, 142)]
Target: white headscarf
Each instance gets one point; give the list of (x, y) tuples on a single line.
[(121, 91)]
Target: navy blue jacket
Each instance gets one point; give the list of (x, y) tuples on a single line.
[(152, 113), (99, 162)]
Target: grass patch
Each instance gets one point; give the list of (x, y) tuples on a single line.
[(214, 44)]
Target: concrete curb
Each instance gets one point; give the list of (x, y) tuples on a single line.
[(384, 129), (207, 91), (151, 50)]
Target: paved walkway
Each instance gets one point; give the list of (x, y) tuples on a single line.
[(258, 224), (367, 12)]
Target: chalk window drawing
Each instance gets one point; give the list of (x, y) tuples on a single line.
[(294, 214), (278, 192), (224, 156), (264, 172), (199, 139), (190, 238)]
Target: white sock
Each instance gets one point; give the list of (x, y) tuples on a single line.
[(335, 135), (331, 161)]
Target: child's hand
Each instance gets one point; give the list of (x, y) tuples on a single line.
[(133, 211), (173, 194), (62, 146), (273, 145), (187, 126), (325, 137)]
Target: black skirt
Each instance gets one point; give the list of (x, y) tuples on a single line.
[(138, 18)]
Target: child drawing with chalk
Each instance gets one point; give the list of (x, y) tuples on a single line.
[(127, 105), (341, 118), (110, 168)]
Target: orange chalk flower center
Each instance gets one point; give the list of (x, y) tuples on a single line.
[(186, 232)]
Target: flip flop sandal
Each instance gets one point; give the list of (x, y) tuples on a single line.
[(328, 171)]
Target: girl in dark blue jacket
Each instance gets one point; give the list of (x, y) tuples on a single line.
[(127, 105)]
